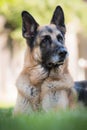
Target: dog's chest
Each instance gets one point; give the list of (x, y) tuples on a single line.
[(55, 100)]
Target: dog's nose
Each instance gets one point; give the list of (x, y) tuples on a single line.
[(62, 52)]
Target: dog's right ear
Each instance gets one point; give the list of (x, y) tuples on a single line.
[(29, 25)]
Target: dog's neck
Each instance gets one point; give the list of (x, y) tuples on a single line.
[(28, 60)]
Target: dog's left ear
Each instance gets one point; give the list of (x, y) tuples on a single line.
[(58, 19)]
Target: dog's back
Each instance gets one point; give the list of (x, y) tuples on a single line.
[(81, 87)]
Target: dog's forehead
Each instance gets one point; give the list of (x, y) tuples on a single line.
[(48, 30)]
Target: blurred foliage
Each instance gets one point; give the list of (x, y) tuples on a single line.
[(42, 10), (62, 120)]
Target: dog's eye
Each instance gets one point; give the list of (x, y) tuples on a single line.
[(59, 38), (46, 41)]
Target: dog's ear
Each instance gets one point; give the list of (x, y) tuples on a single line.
[(29, 25), (58, 18)]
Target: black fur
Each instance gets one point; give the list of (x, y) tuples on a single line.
[(29, 27), (81, 88), (49, 29), (58, 19)]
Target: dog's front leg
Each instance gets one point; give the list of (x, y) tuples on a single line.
[(28, 86), (56, 94), (27, 97)]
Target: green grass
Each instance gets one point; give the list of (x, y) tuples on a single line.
[(62, 120)]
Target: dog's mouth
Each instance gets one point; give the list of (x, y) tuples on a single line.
[(56, 62), (54, 65)]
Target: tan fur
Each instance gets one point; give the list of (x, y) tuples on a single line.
[(39, 89), (34, 76), (61, 84), (31, 76)]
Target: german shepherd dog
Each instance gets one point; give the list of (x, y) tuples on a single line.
[(45, 82)]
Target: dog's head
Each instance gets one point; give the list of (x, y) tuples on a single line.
[(47, 43)]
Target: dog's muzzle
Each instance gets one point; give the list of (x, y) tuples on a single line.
[(58, 57)]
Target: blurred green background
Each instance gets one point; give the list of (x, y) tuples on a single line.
[(42, 11)]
